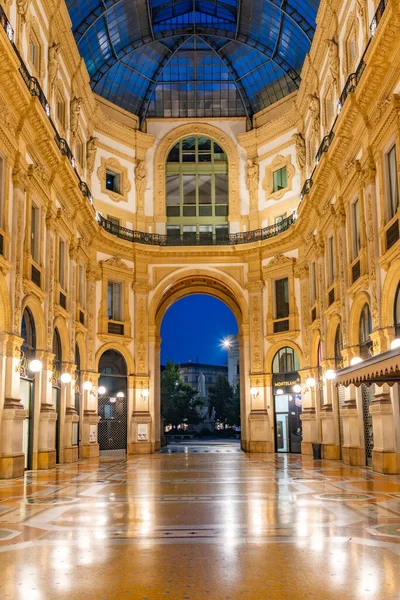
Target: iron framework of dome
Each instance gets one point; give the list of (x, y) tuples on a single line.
[(196, 58)]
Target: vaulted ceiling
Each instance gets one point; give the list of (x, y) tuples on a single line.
[(193, 58)]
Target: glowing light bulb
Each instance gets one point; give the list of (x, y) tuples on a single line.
[(330, 374), (102, 390), (395, 344), (36, 365), (66, 378), (356, 360), (87, 385), (297, 388), (310, 382)]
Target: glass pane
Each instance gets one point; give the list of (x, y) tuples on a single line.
[(221, 188), (173, 156), (280, 179), (189, 189), (282, 403), (173, 230), (189, 211), (205, 211), (205, 228), (204, 183), (204, 158), (203, 143), (173, 211), (173, 196), (221, 211), (282, 433), (188, 158), (189, 143), (222, 231)]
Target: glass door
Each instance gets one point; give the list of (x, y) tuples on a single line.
[(282, 430)]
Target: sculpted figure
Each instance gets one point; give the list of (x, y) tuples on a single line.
[(315, 110), (362, 13), (334, 61), (22, 8), (54, 63), (300, 150), (252, 177), (91, 151), (140, 179), (76, 105)]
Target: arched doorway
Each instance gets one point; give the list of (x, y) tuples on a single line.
[(200, 371), (112, 401), (56, 387), (223, 288), (287, 401), (27, 382)]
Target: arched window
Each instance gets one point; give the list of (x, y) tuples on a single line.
[(197, 189), (285, 361), (365, 331), (338, 348), (397, 312), (28, 334)]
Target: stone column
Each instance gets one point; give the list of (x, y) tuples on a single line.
[(71, 451), (385, 459), (143, 432), (258, 419), (89, 441), (45, 414), (12, 413), (330, 417), (308, 416)]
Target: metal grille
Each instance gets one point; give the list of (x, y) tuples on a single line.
[(36, 276), (342, 398), (280, 326), (392, 235), (113, 423), (367, 397)]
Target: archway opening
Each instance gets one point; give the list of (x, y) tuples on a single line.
[(112, 401), (200, 377), (287, 401)]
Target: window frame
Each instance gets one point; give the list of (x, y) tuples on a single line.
[(110, 308), (35, 232), (391, 209), (355, 229), (62, 267), (331, 260)]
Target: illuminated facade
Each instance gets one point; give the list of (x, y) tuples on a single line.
[(119, 194)]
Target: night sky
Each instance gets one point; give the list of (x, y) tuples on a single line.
[(194, 327)]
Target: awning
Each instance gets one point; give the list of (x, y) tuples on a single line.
[(380, 369)]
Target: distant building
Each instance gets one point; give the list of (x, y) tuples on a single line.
[(201, 376)]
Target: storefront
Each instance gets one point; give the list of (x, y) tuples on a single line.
[(287, 401), (27, 382), (112, 402)]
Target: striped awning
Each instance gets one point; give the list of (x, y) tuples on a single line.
[(379, 369)]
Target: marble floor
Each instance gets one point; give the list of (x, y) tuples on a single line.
[(198, 522)]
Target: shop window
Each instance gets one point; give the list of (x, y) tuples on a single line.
[(197, 188), (114, 301), (282, 298), (113, 181), (35, 233), (365, 331), (393, 189)]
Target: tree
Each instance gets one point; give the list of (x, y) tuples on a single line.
[(179, 401), (219, 397), (233, 408)]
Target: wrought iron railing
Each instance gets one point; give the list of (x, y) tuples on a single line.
[(230, 239), (324, 147), (35, 89), (377, 17)]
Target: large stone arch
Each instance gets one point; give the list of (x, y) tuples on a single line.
[(184, 282), (123, 350), (389, 289), (359, 301), (272, 350), (175, 136), (5, 306), (36, 309)]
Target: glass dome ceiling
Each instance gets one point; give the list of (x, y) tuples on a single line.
[(193, 58)]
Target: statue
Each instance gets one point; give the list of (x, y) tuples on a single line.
[(22, 8), (334, 61), (252, 180), (75, 107), (140, 179), (315, 111), (54, 63), (91, 151), (300, 150)]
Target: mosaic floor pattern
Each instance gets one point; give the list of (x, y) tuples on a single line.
[(196, 524)]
